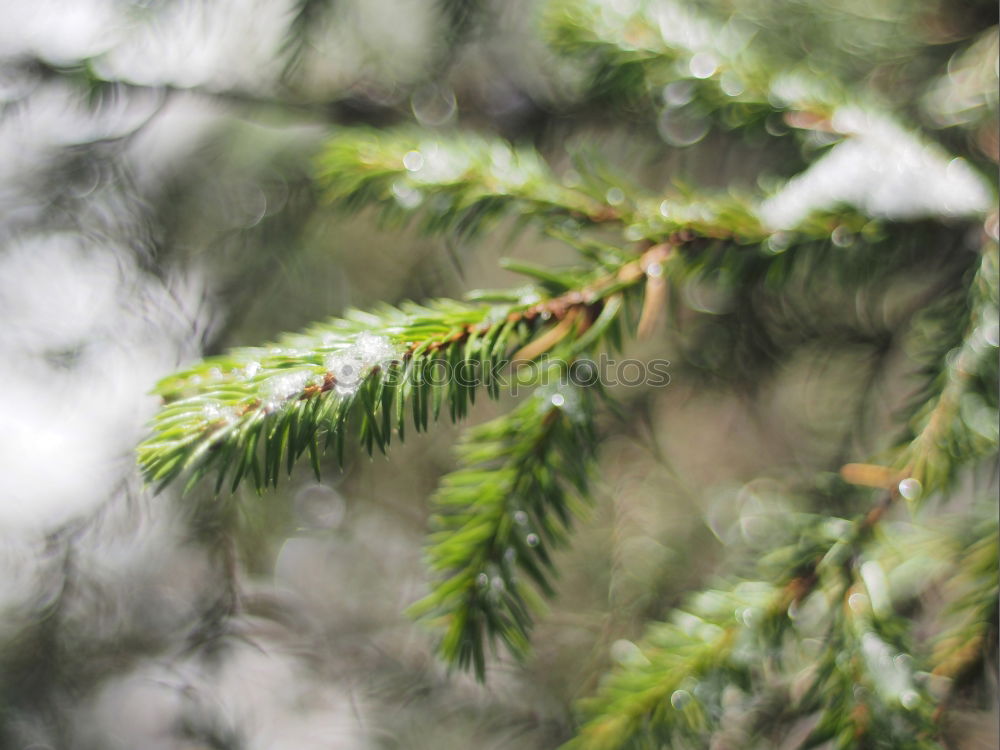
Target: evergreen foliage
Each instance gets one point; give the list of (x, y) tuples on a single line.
[(821, 628), (522, 479)]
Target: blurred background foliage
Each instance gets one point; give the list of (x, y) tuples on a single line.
[(163, 154)]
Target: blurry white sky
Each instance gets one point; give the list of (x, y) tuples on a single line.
[(219, 45), (87, 332)]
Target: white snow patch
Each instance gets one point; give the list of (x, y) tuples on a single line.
[(85, 335), (280, 388), (350, 366), (883, 170)]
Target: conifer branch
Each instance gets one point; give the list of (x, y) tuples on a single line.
[(958, 424), (459, 184), (670, 690), (632, 711), (463, 184), (522, 478), (634, 51), (970, 620), (679, 60), (255, 411), (650, 698)]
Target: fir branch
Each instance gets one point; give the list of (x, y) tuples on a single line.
[(958, 424), (523, 476), (636, 51), (954, 423), (463, 184), (747, 637), (948, 437), (251, 410), (459, 184), (255, 411), (865, 681), (869, 698), (651, 698), (970, 621)]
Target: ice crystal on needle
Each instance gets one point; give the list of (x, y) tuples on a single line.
[(282, 387), (351, 365)]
